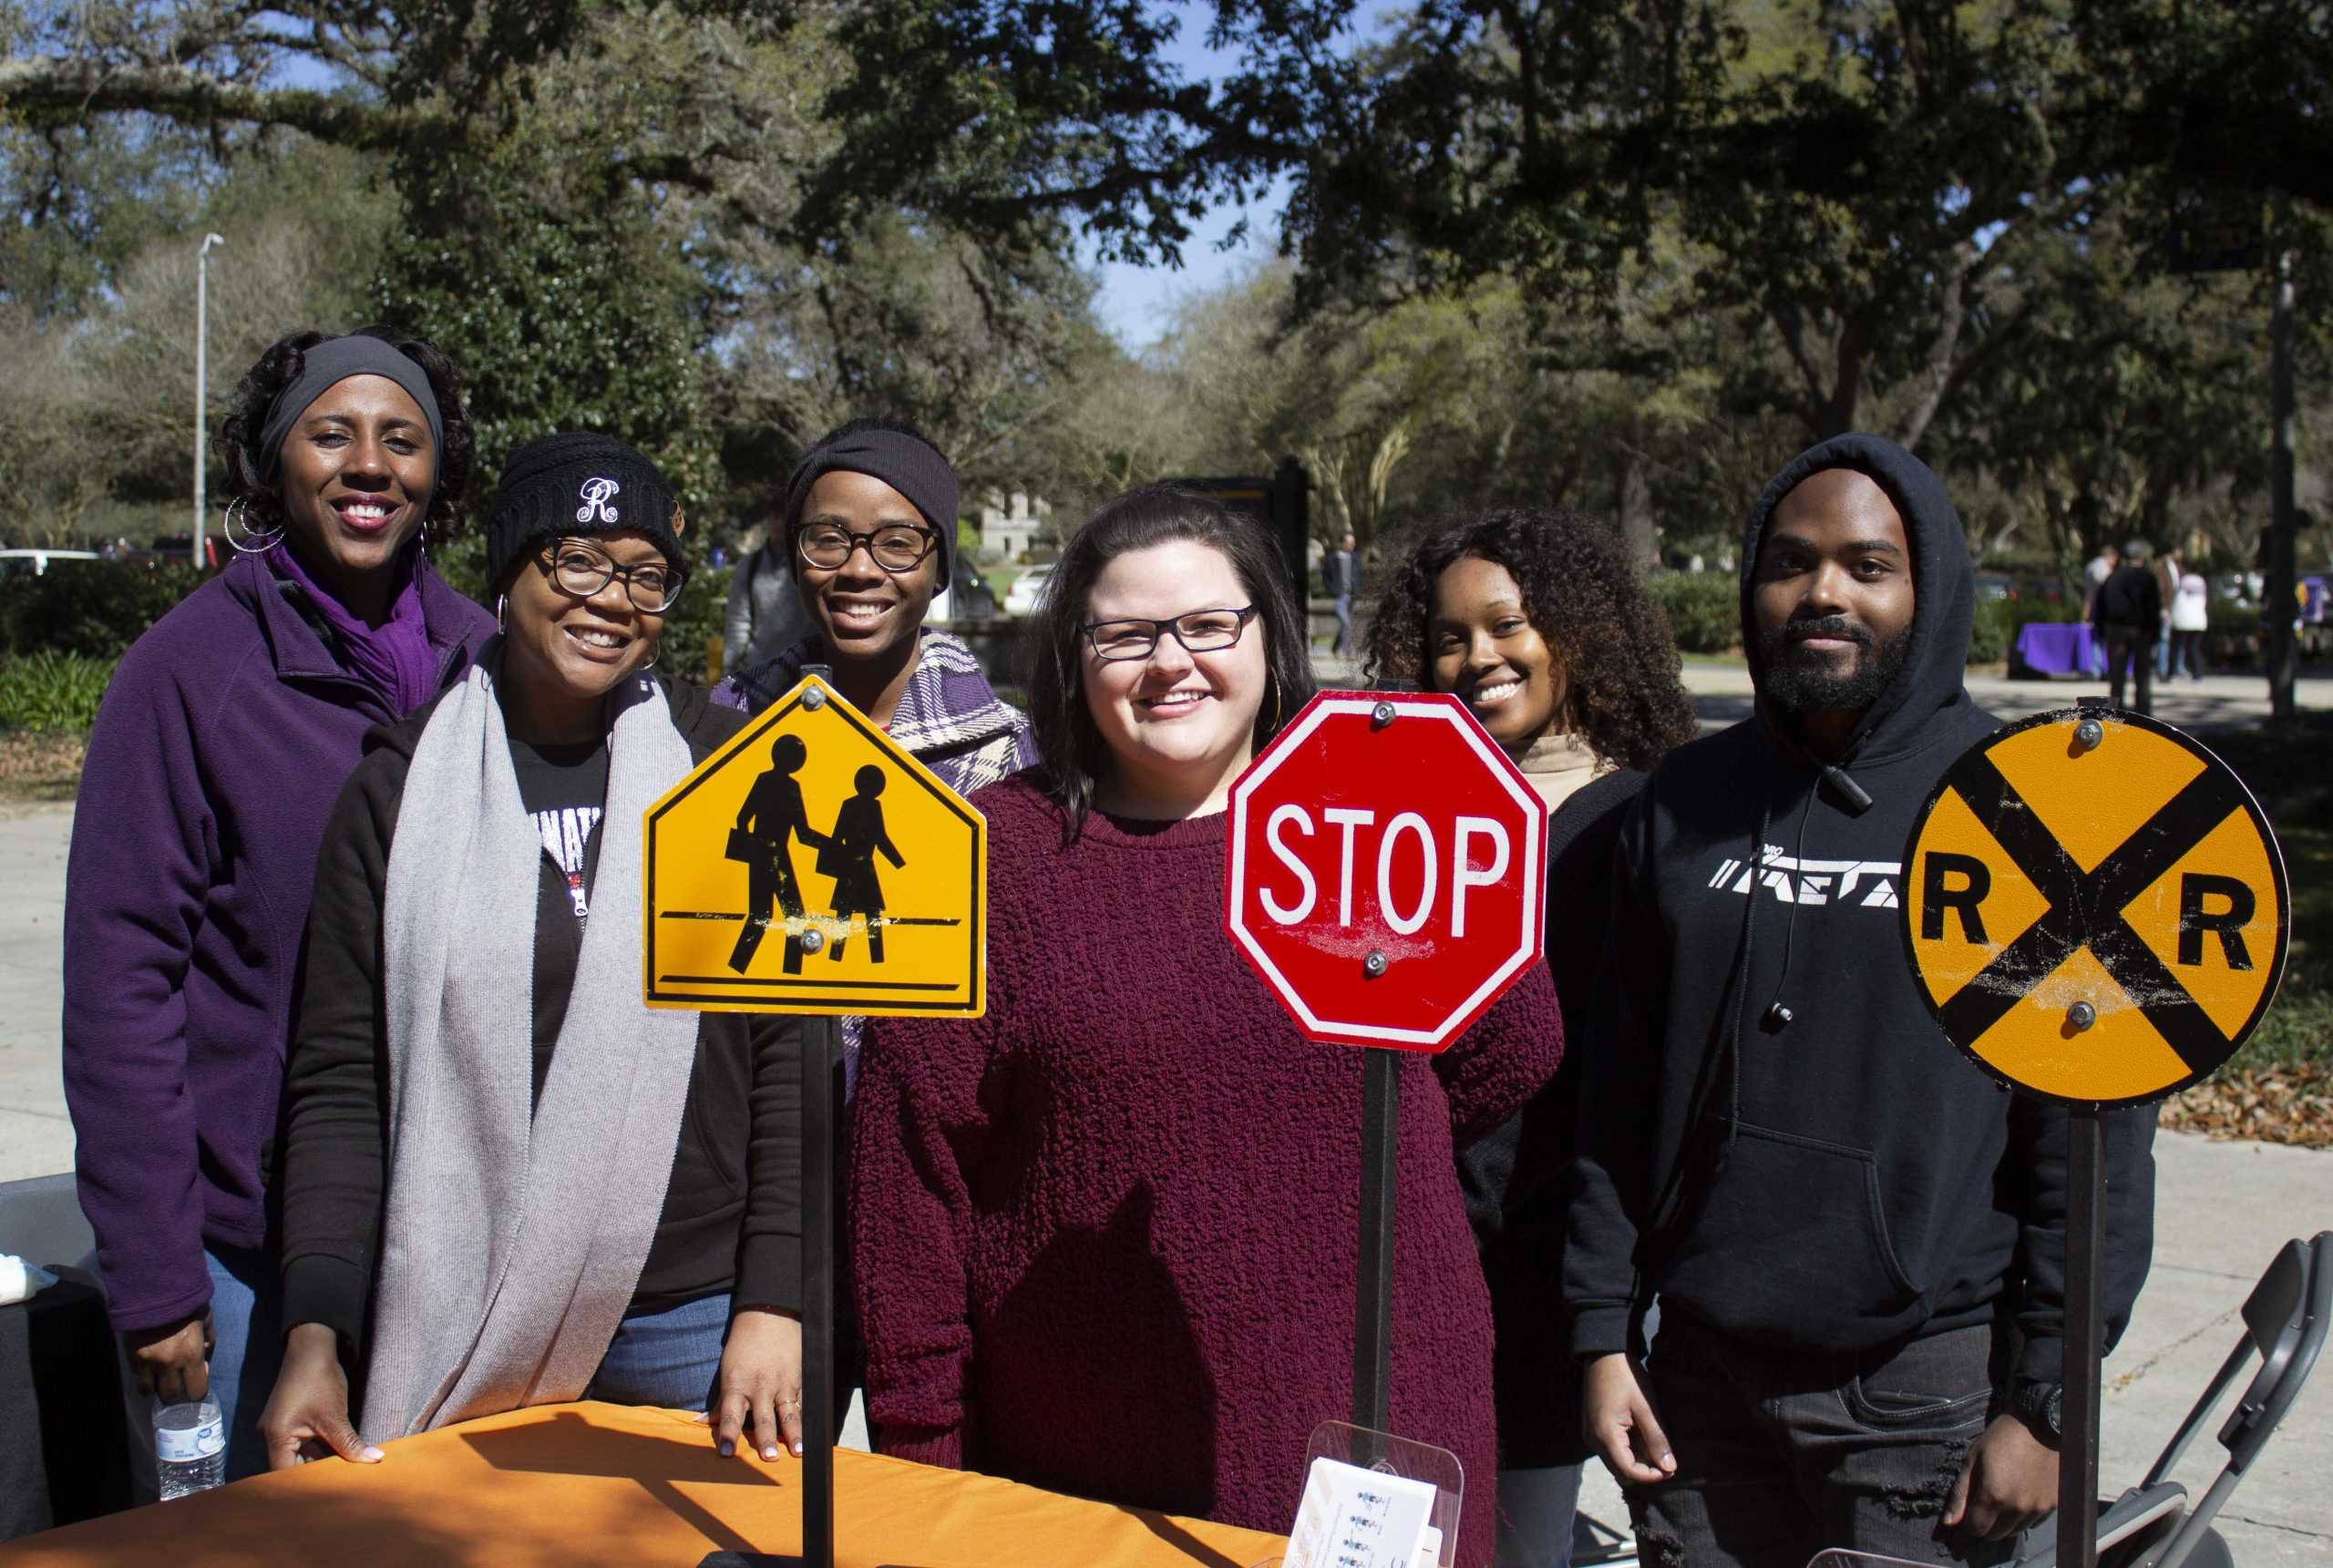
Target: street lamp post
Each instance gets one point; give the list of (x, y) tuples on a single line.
[(201, 375)]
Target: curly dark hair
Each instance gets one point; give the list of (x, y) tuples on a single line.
[(280, 367), (1621, 691)]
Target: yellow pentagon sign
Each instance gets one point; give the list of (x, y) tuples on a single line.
[(2097, 916), (810, 866)]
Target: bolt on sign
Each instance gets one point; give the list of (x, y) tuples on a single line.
[(2095, 907), (810, 866), (1386, 874)]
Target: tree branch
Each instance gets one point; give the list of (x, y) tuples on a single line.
[(48, 90)]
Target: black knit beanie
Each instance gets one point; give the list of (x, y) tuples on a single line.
[(570, 484), (901, 459)]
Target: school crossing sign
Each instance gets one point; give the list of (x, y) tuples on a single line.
[(811, 866), (2095, 907)]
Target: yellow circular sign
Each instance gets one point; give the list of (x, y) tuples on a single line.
[(2094, 907)]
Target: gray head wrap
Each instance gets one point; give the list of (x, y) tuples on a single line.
[(326, 364)]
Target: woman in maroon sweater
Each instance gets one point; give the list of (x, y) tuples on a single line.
[(1104, 1237)]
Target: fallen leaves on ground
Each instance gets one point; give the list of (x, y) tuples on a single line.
[(40, 765), (2288, 1104)]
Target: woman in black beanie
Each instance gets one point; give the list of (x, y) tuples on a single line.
[(471, 1225)]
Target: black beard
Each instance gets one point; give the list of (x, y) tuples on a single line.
[(1799, 684)]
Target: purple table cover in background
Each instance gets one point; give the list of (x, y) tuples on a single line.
[(2051, 648)]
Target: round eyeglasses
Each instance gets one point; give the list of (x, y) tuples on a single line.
[(583, 569), (894, 547), (1199, 632)]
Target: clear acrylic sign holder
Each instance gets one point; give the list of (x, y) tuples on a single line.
[(1338, 1527)]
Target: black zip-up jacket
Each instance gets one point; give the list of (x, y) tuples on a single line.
[(1847, 1179), (733, 1207)]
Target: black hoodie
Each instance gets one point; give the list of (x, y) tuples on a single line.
[(1846, 1180)]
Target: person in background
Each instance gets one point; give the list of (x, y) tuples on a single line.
[(1535, 619), (2128, 615), (1340, 575), (763, 615), (2166, 577), (2191, 617), (1103, 1236), (222, 739), (1855, 1237), (2094, 573), (507, 1181)]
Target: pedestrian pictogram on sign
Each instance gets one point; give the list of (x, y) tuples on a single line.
[(811, 866), (2095, 907), (1385, 874)]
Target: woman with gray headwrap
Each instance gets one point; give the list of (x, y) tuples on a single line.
[(222, 741)]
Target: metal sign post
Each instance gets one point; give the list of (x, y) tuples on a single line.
[(1372, 1341), (2085, 1338), (821, 1116), (812, 834), (2096, 913)]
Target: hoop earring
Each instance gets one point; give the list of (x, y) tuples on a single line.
[(502, 605), (252, 541)]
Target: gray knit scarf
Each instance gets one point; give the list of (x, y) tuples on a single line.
[(514, 1236)]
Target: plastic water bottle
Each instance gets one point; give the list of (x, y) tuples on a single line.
[(189, 1447)]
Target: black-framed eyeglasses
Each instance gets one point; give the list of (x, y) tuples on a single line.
[(1199, 632), (583, 569), (894, 547)]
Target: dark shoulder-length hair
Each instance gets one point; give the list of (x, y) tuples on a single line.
[(280, 365), (1072, 747), (1623, 692)]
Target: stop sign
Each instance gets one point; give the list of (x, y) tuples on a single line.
[(1386, 869)]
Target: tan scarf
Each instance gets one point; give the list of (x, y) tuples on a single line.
[(1558, 764)]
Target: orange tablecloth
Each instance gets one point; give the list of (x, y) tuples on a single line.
[(580, 1484)]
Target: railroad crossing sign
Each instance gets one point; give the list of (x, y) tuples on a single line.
[(810, 866), (2095, 907), (1387, 871)]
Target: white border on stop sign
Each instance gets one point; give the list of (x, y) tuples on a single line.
[(1408, 705)]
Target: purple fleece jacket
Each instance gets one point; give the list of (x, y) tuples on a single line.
[(217, 753), (1104, 1239)]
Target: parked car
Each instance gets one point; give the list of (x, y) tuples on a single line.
[(1995, 585), (968, 598), (36, 562), (1020, 598)]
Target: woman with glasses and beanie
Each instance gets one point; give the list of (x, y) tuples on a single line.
[(506, 1181), (869, 523), (1104, 1237), (1535, 621), (223, 739)]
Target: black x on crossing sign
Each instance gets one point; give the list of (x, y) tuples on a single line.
[(2095, 907)]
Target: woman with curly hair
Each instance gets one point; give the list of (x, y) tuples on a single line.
[(222, 741), (1535, 621)]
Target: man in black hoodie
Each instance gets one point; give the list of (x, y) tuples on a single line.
[(1855, 1237)]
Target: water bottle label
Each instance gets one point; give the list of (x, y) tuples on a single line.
[(187, 1444)]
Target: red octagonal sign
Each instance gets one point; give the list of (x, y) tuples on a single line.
[(1386, 876)]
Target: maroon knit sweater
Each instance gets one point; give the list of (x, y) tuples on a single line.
[(1104, 1238)]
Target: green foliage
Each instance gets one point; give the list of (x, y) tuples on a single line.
[(564, 317), (94, 611), (1703, 608), (51, 690), (693, 622)]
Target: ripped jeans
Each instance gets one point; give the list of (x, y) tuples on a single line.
[(1781, 1455)]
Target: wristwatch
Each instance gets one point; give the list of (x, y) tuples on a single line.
[(2038, 1406)]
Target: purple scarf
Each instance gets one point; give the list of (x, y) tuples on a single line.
[(394, 658)]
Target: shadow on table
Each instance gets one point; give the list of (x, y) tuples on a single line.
[(1181, 1539), (569, 1445)]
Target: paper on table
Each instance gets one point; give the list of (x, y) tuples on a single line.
[(1356, 1518)]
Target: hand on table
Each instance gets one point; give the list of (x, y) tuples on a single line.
[(173, 1361), (760, 1383), (308, 1415), (2008, 1482), (1620, 1422)]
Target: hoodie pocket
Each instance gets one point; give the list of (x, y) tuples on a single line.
[(1789, 1245)]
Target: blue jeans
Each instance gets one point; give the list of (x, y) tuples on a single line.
[(668, 1359), (246, 1348), (1536, 1507)]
